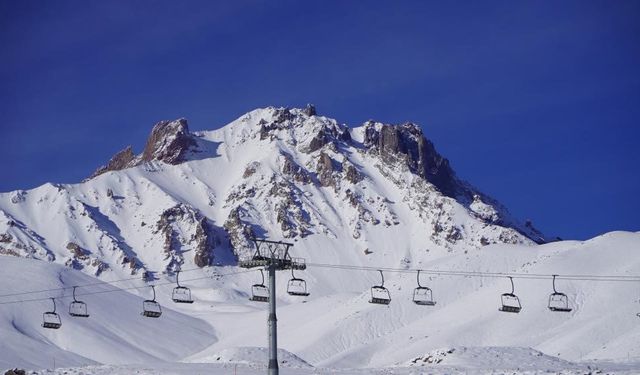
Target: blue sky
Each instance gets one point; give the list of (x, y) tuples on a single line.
[(536, 103)]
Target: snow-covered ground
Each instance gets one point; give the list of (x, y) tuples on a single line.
[(335, 330)]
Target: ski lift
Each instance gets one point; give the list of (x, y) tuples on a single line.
[(510, 302), (423, 295), (380, 294), (78, 308), (151, 308), (50, 319), (259, 292), (558, 301), (181, 294), (296, 286)]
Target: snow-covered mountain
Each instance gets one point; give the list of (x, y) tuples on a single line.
[(376, 196), (195, 198)]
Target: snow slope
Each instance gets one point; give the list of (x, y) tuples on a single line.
[(114, 333), (338, 328)]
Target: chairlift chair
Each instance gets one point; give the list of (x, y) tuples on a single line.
[(510, 302), (51, 319), (423, 295), (259, 292), (379, 294), (151, 308), (77, 308), (181, 294), (558, 301), (296, 286)]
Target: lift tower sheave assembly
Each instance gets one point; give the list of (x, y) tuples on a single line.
[(272, 256)]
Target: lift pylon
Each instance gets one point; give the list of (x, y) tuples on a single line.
[(272, 256)]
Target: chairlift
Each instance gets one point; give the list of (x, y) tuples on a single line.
[(423, 295), (380, 294), (51, 319), (151, 308), (510, 302), (181, 294), (296, 286), (259, 292), (558, 301), (78, 308)]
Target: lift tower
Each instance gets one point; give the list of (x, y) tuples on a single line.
[(272, 256)]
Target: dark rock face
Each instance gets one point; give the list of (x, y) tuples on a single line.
[(204, 244), (77, 251), (203, 240), (282, 115), (310, 110), (169, 142), (328, 135), (318, 141), (325, 170), (121, 160), (351, 173), (240, 233), (406, 143), (295, 171)]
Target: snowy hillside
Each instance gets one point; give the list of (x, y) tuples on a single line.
[(372, 197)]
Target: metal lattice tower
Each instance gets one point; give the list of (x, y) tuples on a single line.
[(272, 256)]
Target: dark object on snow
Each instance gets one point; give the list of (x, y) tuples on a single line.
[(380, 294), (510, 302), (151, 308), (78, 308), (259, 292), (181, 294), (297, 286), (558, 301), (423, 295), (50, 319)]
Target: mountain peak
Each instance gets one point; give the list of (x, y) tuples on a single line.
[(314, 143), (169, 142)]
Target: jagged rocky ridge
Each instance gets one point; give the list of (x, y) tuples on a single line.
[(169, 142), (198, 197)]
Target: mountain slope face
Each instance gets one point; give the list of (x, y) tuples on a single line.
[(196, 198)]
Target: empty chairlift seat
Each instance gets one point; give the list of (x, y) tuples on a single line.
[(423, 295), (510, 302), (297, 286), (77, 308), (51, 319), (151, 308), (379, 294), (558, 302), (181, 294), (259, 292)]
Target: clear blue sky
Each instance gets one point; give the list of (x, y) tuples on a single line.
[(536, 103)]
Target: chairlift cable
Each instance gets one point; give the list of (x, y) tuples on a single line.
[(115, 290), (83, 285), (535, 276)]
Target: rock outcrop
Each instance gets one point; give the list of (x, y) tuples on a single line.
[(406, 144), (169, 142), (121, 160)]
